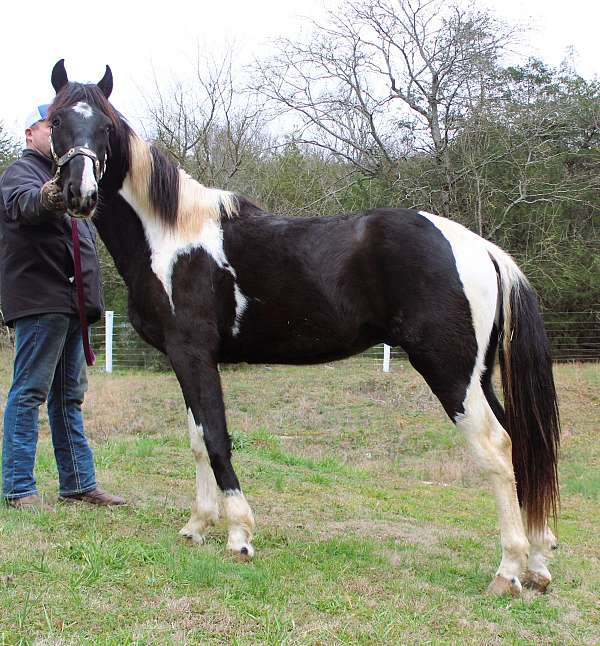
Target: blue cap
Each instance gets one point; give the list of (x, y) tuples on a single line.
[(40, 113)]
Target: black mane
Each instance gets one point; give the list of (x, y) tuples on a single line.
[(164, 186)]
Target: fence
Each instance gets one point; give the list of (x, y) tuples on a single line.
[(574, 336), (118, 347)]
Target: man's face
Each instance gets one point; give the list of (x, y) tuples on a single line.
[(38, 137)]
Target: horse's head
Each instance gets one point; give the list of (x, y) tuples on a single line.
[(81, 124)]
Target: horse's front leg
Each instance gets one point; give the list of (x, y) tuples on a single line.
[(211, 446), (205, 509)]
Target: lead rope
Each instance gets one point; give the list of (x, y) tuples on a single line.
[(90, 357)]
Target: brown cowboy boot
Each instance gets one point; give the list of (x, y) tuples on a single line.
[(33, 502), (95, 497)]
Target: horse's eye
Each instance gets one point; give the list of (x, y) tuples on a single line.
[(55, 122)]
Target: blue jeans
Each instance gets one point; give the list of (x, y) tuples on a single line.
[(49, 364)]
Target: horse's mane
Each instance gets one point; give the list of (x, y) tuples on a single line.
[(163, 175)]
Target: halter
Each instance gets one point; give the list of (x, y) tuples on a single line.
[(99, 170)]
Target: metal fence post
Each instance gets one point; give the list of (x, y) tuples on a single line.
[(108, 340), (386, 357)]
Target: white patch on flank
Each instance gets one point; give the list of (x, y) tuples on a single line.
[(478, 278), (166, 245), (83, 109), (88, 179)]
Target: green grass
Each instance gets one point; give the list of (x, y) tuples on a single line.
[(373, 526)]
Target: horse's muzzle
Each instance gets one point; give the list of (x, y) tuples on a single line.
[(78, 204), (80, 189)]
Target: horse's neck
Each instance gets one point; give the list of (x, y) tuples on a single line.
[(123, 234), (133, 225), (118, 224)]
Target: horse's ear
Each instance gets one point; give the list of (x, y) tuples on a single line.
[(106, 82), (59, 76)]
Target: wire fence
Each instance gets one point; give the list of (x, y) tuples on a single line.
[(574, 336), (130, 352)]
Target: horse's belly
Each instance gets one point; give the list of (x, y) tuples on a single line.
[(311, 338)]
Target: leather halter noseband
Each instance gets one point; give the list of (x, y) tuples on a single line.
[(99, 170)]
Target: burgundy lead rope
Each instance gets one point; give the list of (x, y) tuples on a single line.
[(90, 358)]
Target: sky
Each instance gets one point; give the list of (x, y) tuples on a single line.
[(144, 40)]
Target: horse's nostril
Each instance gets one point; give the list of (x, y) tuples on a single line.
[(94, 196), (70, 193)]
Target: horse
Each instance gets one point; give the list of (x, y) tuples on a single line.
[(213, 278)]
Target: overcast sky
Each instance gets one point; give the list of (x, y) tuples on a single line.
[(136, 38)]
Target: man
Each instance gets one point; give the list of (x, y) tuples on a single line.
[(38, 298)]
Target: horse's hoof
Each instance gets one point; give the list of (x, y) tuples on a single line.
[(536, 581), (191, 535), (502, 585)]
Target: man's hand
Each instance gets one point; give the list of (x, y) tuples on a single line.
[(52, 197)]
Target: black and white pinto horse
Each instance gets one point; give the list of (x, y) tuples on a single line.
[(212, 278)]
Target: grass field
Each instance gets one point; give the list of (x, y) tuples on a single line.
[(373, 526)]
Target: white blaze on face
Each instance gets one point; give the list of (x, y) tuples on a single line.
[(88, 179), (83, 109)]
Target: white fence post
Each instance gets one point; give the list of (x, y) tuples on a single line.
[(108, 339), (387, 351)]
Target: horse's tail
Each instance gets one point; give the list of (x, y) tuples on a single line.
[(531, 407)]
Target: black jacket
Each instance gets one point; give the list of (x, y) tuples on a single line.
[(36, 251)]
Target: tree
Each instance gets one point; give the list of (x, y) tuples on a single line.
[(8, 149), (530, 179), (382, 79), (210, 124)]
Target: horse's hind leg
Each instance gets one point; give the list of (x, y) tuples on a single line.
[(492, 448), (537, 574), (464, 401)]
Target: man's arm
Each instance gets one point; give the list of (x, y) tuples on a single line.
[(27, 202)]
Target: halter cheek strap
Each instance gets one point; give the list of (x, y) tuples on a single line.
[(99, 170)]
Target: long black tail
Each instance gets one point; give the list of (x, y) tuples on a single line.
[(531, 407)]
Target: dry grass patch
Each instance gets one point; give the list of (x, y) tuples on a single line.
[(373, 525)]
